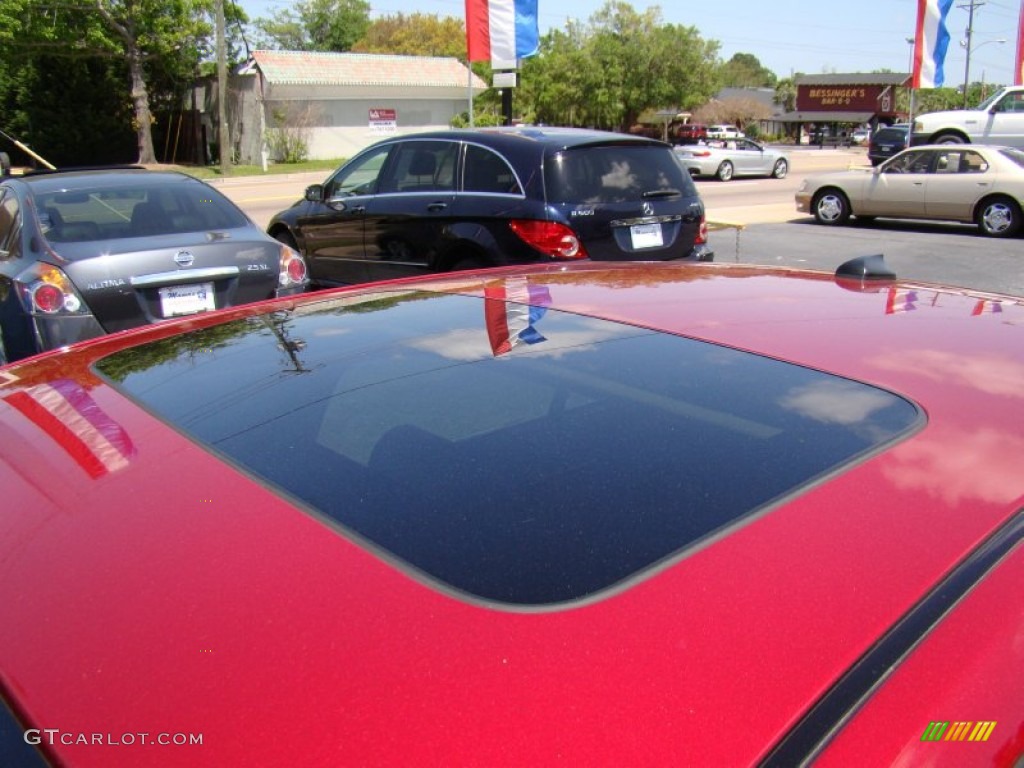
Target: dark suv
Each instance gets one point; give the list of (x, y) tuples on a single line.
[(463, 199), (887, 141)]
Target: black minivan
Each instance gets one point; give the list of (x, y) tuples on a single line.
[(887, 141), (465, 199)]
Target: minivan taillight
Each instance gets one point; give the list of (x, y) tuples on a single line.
[(550, 237), (702, 231)]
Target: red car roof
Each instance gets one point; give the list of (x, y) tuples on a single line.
[(149, 587)]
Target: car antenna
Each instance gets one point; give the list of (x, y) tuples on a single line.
[(864, 274), (865, 268)]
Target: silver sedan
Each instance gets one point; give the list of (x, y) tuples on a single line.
[(733, 157)]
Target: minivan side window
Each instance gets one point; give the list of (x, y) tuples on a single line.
[(422, 166), (361, 177), (486, 171)]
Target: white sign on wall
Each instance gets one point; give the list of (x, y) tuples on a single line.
[(383, 120)]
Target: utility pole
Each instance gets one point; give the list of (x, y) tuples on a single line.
[(969, 6), (223, 135), (913, 91)]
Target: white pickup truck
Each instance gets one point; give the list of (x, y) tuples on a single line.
[(997, 120), (725, 132)]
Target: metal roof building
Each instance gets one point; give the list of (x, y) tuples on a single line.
[(338, 103)]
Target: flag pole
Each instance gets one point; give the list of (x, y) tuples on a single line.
[(469, 85)]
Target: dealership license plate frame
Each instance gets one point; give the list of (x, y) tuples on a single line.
[(646, 236), (188, 299)]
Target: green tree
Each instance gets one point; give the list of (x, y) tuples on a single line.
[(315, 25), (608, 71), (149, 38), (744, 70), (942, 99), (415, 34), (71, 112), (553, 81), (785, 94)]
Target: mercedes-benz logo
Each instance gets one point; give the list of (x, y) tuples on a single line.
[(184, 259), (648, 209)]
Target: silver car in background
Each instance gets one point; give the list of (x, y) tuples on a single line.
[(84, 253), (733, 157)]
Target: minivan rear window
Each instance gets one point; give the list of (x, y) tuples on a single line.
[(519, 455), (614, 174)]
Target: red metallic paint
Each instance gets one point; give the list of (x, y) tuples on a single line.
[(968, 669), (178, 595)]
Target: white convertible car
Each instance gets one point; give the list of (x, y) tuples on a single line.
[(733, 157)]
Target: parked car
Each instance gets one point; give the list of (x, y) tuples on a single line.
[(450, 200), (886, 141), (724, 132), (734, 157), (997, 120), (860, 136), (84, 253), (688, 133), (674, 132), (582, 514), (976, 184)]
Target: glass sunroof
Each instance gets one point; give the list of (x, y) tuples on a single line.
[(517, 454)]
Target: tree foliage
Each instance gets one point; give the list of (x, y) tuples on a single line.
[(315, 25), (415, 34), (941, 99), (606, 72), (149, 42), (741, 111), (785, 94), (744, 70)]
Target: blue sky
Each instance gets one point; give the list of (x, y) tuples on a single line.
[(809, 36)]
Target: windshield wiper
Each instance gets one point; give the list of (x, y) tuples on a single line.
[(661, 193)]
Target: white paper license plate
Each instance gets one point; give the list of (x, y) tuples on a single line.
[(186, 299), (646, 236)]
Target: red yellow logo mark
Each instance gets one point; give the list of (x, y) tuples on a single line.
[(959, 731)]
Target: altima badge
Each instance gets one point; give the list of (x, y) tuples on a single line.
[(184, 259)]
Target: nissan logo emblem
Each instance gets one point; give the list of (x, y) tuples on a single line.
[(184, 259), (648, 209)]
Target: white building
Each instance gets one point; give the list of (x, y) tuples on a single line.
[(341, 102)]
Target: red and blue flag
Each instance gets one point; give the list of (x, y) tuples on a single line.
[(930, 43), (501, 31)]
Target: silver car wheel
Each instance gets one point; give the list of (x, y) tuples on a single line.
[(999, 218), (725, 171), (831, 208), (781, 169)]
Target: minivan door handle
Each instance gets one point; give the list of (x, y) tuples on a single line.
[(438, 206)]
